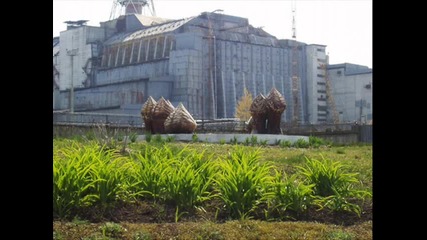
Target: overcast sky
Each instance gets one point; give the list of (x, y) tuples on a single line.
[(344, 26)]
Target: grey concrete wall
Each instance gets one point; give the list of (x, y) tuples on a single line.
[(152, 70), (256, 67), (349, 92), (110, 97), (81, 39)]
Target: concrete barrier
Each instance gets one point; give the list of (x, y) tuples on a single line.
[(272, 139)]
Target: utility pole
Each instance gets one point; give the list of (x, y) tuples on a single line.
[(72, 53)]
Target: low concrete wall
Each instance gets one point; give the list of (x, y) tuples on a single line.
[(271, 139)]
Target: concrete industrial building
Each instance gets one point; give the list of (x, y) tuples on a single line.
[(352, 91), (203, 61)]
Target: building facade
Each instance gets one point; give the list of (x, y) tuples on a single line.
[(204, 61), (352, 91)]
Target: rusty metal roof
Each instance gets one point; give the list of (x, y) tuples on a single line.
[(149, 31)]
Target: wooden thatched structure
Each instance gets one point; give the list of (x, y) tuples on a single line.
[(276, 105), (258, 111), (146, 112), (180, 121), (159, 114)]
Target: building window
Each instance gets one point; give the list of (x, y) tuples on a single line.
[(321, 83), (321, 114), (368, 86), (321, 75), (127, 53), (320, 50), (135, 51), (142, 46), (116, 61), (339, 72), (151, 49), (160, 46), (322, 108), (321, 91), (321, 99)]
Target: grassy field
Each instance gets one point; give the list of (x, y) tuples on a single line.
[(121, 197)]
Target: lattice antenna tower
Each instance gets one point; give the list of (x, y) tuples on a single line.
[(122, 7), (295, 79)]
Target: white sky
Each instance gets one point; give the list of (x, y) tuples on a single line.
[(345, 26)]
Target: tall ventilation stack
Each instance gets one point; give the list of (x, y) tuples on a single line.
[(131, 7), (134, 6)]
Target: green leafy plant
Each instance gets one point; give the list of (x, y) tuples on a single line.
[(286, 144), (194, 138), (263, 143), (333, 184), (242, 181), (133, 136), (254, 140), (148, 136), (170, 139), (110, 229), (142, 236), (339, 235), (301, 143), (290, 194), (315, 142), (233, 140)]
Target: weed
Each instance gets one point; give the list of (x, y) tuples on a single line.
[(339, 235), (233, 140), (254, 140), (142, 236), (340, 151), (110, 229), (194, 138), (285, 144), (133, 136), (301, 143), (148, 136)]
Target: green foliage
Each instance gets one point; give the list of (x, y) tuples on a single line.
[(157, 138), (222, 141), (194, 138), (254, 140), (57, 236), (316, 142), (233, 140), (328, 176), (285, 144), (242, 181), (340, 151), (148, 136), (72, 184), (333, 183), (339, 235), (110, 229), (263, 143), (170, 139), (142, 236), (133, 136), (291, 194), (247, 141), (301, 143)]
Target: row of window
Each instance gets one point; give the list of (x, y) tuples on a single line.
[(138, 51)]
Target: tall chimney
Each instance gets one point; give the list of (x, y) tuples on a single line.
[(135, 6)]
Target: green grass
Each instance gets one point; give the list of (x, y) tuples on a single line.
[(185, 181)]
